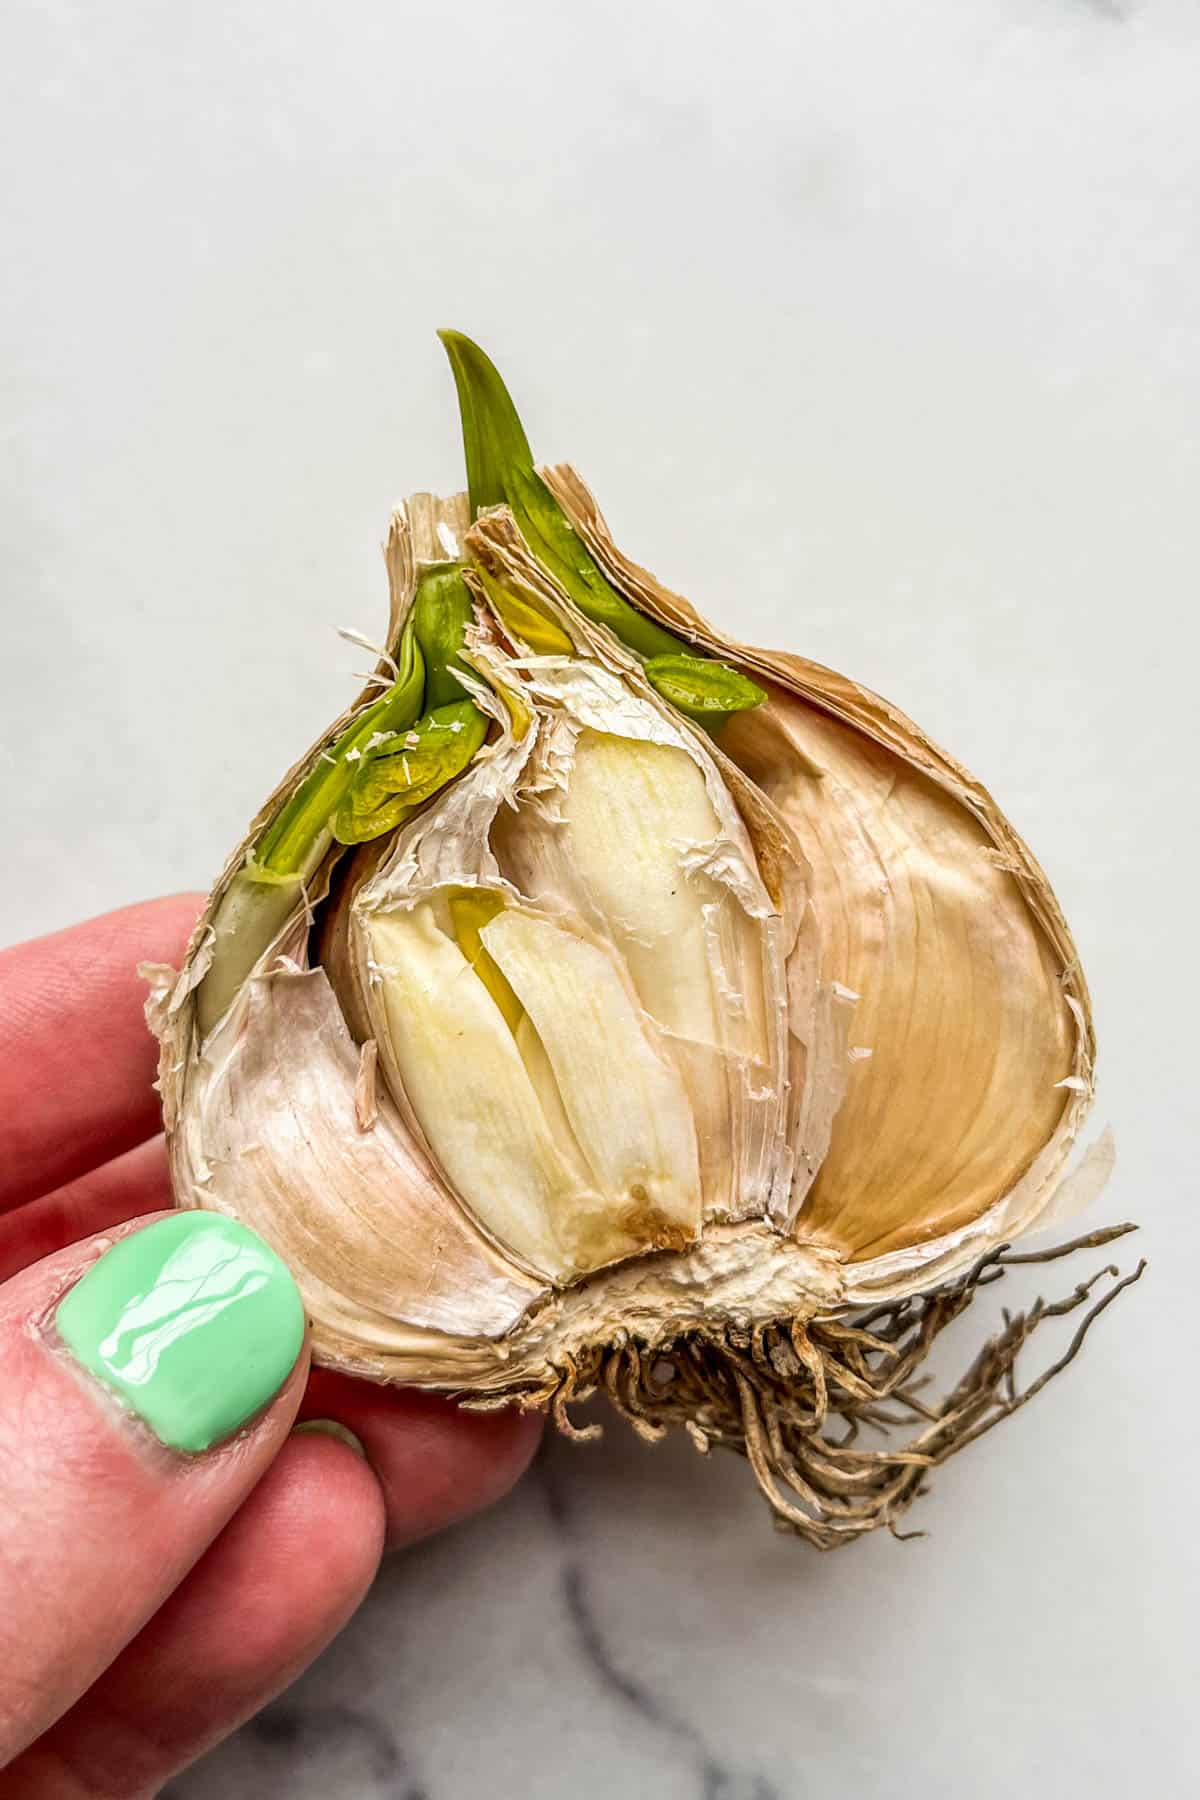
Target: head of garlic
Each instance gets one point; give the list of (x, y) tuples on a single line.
[(603, 1002)]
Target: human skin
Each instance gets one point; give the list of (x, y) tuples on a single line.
[(150, 1601)]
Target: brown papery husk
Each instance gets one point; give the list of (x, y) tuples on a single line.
[(783, 1348)]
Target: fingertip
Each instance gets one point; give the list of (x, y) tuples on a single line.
[(281, 1580), (151, 1375), (294, 1563), (508, 1440), (278, 1583), (323, 1491), (436, 1462), (285, 1575)]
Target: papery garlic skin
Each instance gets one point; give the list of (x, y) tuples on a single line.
[(273, 1137), (961, 1004), (629, 1041), (532, 994)]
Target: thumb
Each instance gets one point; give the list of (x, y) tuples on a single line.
[(147, 1378)]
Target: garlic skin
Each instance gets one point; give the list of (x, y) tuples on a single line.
[(954, 1130), (628, 877), (631, 1041)]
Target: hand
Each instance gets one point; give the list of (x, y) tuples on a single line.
[(153, 1594)]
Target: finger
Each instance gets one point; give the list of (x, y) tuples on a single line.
[(436, 1463), (493, 1447), (125, 1188), (76, 1059), (280, 1581), (303, 1549), (146, 1381)]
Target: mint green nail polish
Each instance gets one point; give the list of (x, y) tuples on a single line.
[(193, 1322)]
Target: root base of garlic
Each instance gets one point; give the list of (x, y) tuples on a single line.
[(777, 1394)]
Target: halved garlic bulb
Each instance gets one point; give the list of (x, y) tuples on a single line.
[(602, 1001)]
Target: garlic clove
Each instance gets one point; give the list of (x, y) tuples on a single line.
[(625, 1102), (469, 1089), (961, 1005)]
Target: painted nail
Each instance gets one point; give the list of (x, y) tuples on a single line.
[(194, 1323), (331, 1428)]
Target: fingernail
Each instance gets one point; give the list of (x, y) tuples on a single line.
[(331, 1428), (193, 1322)]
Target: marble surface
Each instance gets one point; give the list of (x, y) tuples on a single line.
[(876, 330)]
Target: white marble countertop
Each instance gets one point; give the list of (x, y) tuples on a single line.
[(875, 327)]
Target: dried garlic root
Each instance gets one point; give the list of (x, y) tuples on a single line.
[(604, 1002)]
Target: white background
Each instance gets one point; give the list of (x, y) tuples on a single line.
[(876, 329)]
